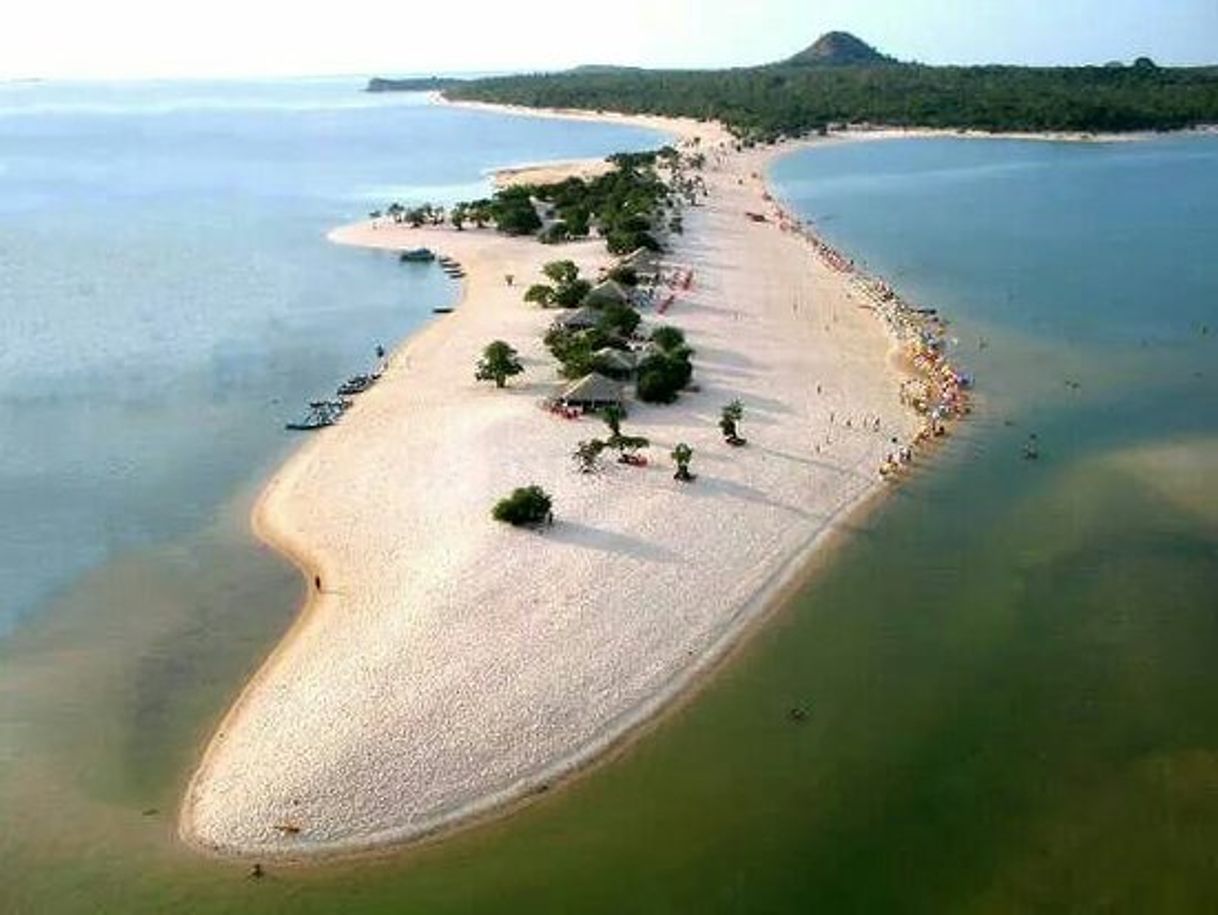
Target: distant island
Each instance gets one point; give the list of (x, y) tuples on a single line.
[(840, 79), (412, 84)]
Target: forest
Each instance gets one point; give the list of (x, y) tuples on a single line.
[(768, 102)]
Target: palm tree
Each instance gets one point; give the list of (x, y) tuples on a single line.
[(682, 454), (587, 455), (729, 419), (625, 444)]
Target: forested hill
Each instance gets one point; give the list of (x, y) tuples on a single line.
[(827, 86)]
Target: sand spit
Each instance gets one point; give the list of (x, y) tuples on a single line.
[(550, 172), (449, 664)]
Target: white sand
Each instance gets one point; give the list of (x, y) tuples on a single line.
[(550, 172), (453, 664)]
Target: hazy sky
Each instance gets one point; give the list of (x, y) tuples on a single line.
[(250, 37)]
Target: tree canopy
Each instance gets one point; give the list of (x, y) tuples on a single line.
[(764, 103)]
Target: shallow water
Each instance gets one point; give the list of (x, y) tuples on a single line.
[(1007, 671)]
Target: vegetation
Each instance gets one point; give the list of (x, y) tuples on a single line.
[(619, 320), (663, 374), (513, 211), (668, 338), (526, 505), (627, 276), (798, 96), (587, 455), (625, 445), (729, 422), (623, 205), (499, 362), (682, 455), (567, 290)]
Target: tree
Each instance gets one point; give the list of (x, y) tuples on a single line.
[(569, 295), (527, 505), (663, 375), (458, 215), (587, 455), (619, 319), (540, 294), (613, 416), (561, 273), (682, 455), (625, 275), (498, 363), (668, 338), (729, 420)]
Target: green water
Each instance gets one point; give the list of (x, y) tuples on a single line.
[(1008, 671)]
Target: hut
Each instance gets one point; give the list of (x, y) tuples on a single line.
[(610, 292), (614, 362), (579, 319), (641, 261), (591, 393)]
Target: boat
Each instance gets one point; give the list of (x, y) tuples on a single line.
[(357, 384), (442, 310), (321, 413), (417, 256)]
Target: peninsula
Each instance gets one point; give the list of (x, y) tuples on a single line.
[(448, 665)]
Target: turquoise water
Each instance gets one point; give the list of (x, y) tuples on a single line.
[(1008, 669), (168, 299)]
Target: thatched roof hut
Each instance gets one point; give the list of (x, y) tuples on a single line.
[(615, 361), (610, 292), (592, 392), (641, 260), (579, 319)]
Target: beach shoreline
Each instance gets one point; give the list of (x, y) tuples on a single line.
[(227, 809)]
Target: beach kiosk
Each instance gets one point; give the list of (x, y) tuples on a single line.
[(579, 319), (591, 393), (608, 293)]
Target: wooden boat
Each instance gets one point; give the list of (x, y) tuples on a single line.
[(442, 310), (417, 256), (357, 384), (321, 413)]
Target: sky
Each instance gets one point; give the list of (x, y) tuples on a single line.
[(237, 38)]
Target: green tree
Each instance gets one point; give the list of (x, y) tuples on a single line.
[(668, 338), (527, 505), (561, 273), (540, 294), (587, 455), (729, 422), (619, 320), (682, 455), (498, 363)]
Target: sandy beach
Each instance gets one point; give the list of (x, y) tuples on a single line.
[(450, 665)]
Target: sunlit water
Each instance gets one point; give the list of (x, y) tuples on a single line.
[(1007, 671)]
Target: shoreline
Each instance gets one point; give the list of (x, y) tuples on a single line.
[(274, 523)]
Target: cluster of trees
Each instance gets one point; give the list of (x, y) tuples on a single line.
[(623, 205), (588, 453), (667, 369), (577, 348), (765, 103), (566, 288)]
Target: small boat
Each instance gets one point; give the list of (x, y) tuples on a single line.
[(357, 384), (417, 256), (321, 413), (442, 310)]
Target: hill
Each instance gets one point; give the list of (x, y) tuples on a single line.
[(838, 49)]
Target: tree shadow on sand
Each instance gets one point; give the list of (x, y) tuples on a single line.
[(604, 541)]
